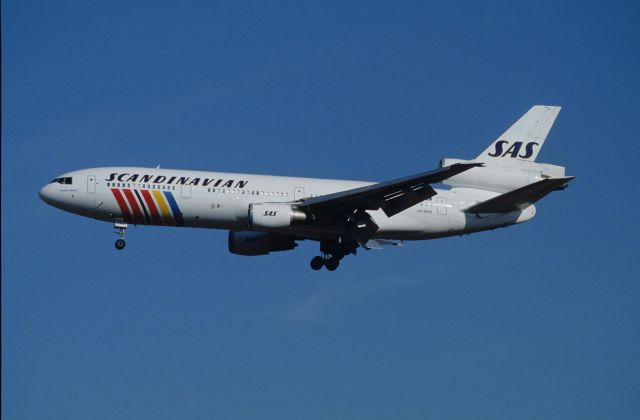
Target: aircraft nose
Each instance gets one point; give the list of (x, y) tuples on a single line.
[(46, 193)]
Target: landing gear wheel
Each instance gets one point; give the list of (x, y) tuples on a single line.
[(316, 263), (121, 228), (332, 263)]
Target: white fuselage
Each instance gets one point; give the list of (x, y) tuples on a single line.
[(221, 201)]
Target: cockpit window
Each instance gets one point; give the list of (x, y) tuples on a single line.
[(66, 180)]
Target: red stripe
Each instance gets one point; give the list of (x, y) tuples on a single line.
[(134, 206), (123, 205), (152, 207)]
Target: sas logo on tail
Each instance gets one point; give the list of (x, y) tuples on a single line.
[(514, 150)]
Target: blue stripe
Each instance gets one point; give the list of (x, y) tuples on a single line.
[(177, 215)]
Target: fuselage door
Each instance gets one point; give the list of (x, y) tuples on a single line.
[(442, 205), (298, 193), (91, 184), (185, 191)]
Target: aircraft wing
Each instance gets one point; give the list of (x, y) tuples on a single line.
[(391, 196), (521, 198)]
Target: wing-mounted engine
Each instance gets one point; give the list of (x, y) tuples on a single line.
[(275, 215), (259, 243)]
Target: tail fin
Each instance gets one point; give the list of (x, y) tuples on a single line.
[(524, 139)]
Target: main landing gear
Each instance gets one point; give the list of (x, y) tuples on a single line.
[(120, 227), (333, 250), (331, 262)]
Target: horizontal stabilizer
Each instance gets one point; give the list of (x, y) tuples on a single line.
[(521, 198)]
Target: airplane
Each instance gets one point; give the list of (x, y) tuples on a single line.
[(265, 214)]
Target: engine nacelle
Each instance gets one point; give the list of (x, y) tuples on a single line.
[(500, 176), (275, 215), (258, 243)]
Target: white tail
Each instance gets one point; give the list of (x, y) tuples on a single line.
[(524, 139)]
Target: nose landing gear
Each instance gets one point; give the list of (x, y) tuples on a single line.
[(120, 227)]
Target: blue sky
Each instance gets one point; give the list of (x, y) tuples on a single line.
[(536, 321)]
